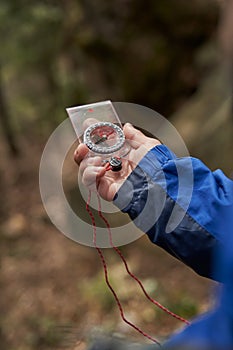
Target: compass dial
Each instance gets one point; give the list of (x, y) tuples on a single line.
[(104, 137)]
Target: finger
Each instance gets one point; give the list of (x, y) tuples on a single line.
[(137, 139), (90, 162), (134, 135), (92, 175), (82, 150), (88, 122), (80, 153)]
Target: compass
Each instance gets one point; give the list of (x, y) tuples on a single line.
[(104, 138)]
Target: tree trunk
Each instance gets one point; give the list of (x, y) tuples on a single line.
[(5, 122)]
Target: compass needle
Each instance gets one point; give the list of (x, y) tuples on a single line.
[(102, 139)]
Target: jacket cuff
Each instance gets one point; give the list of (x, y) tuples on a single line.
[(136, 185), (133, 190)]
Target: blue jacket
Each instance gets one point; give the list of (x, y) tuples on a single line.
[(187, 210)]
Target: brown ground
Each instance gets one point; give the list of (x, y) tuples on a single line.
[(52, 289)]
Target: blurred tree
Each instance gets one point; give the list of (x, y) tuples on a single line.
[(29, 33), (226, 39), (6, 123)]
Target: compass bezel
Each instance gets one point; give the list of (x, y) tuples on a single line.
[(100, 149)]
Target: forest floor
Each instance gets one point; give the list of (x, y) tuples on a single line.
[(52, 289)]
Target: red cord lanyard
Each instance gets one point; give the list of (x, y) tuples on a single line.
[(127, 269)]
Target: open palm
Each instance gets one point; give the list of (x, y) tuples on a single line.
[(106, 182)]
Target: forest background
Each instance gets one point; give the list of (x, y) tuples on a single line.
[(174, 56)]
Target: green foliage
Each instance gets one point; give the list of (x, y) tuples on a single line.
[(47, 333), (42, 332), (185, 306), (95, 291)]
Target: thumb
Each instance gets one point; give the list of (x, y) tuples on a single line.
[(133, 135), (136, 138)]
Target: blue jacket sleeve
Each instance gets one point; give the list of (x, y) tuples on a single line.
[(214, 330), (176, 202)]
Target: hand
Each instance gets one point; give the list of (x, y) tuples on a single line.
[(107, 183)]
